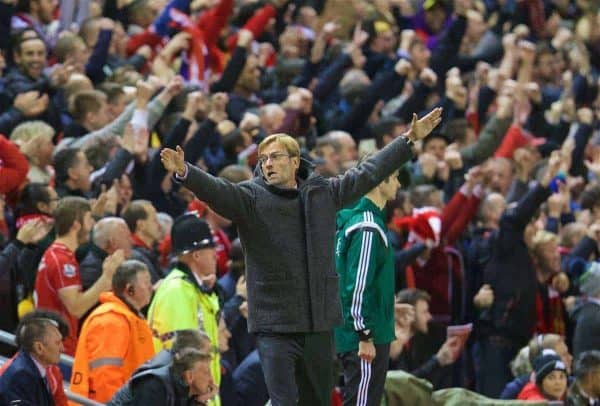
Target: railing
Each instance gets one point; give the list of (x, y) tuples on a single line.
[(9, 339)]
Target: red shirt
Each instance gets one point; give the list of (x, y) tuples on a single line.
[(58, 270), (222, 246)]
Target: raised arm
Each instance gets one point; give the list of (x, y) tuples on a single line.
[(228, 199), (356, 182)]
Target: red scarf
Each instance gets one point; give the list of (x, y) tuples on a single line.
[(21, 221), (138, 242)]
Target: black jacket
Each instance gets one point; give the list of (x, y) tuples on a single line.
[(288, 238), (91, 267), (17, 82), (419, 358), (17, 261), (511, 274), (587, 331), (150, 258)]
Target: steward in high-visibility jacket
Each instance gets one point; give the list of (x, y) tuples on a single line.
[(114, 341), (181, 303), (186, 299)]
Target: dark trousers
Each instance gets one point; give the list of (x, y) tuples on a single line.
[(364, 381), (493, 369), (298, 368)]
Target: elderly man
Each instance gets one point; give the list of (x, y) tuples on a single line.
[(27, 380), (286, 222), (115, 338), (189, 291), (109, 235)]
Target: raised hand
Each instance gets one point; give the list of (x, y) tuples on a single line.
[(110, 265), (420, 128), (554, 164), (245, 38), (173, 160), (143, 94), (31, 103), (33, 231), (594, 165)]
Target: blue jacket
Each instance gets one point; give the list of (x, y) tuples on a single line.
[(23, 382)]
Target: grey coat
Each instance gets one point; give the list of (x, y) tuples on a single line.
[(288, 238)]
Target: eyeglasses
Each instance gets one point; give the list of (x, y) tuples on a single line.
[(275, 156)]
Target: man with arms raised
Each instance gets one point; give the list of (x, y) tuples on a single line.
[(286, 222)]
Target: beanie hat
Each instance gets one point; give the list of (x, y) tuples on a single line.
[(545, 363), (590, 280), (425, 226)]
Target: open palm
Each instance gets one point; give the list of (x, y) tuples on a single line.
[(420, 128), (173, 160)]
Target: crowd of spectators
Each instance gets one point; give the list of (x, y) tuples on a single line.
[(496, 223)]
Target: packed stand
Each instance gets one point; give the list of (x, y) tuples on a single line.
[(491, 229)]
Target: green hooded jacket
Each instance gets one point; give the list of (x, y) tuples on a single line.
[(365, 265)]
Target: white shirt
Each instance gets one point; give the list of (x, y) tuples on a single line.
[(39, 366)]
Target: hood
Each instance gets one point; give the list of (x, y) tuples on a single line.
[(345, 215)]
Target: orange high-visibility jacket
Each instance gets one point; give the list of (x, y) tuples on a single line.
[(114, 341)]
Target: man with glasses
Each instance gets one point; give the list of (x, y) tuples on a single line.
[(286, 221)]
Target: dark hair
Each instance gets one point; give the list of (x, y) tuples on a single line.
[(23, 36), (236, 255), (33, 327), (411, 296), (420, 196), (232, 142), (385, 126), (543, 48), (64, 160), (98, 151), (84, 102), (189, 339), (184, 360), (69, 210), (401, 197), (23, 6), (32, 194), (136, 210), (126, 274), (586, 363), (590, 197), (235, 173), (112, 91)]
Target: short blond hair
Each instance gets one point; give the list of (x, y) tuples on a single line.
[(542, 237), (290, 144), (30, 130)]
